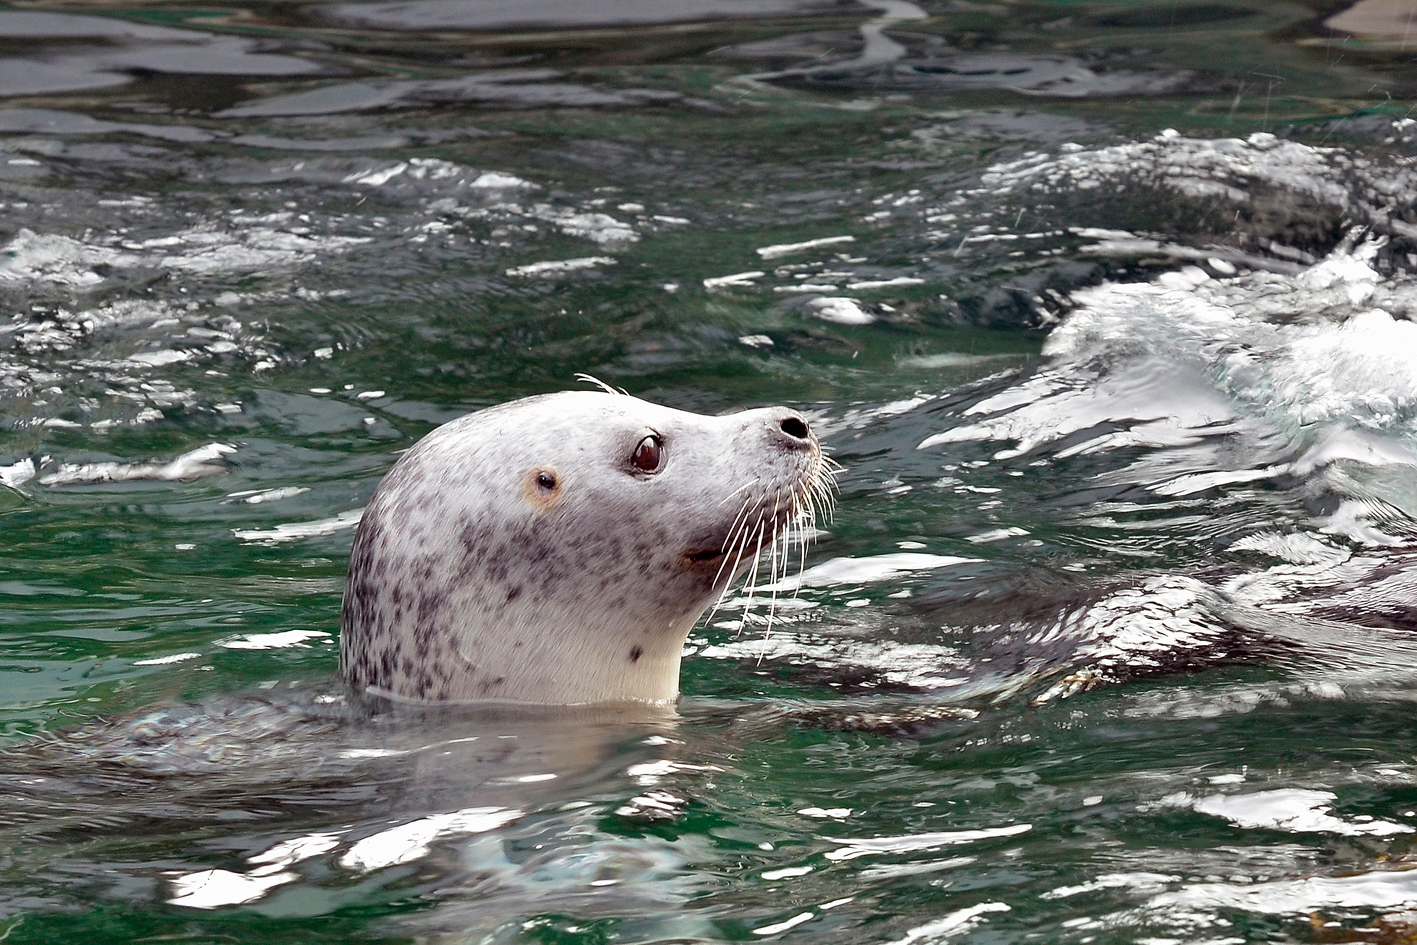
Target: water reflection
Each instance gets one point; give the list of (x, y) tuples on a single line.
[(129, 48)]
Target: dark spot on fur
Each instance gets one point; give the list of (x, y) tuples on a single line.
[(635, 653), (473, 537)]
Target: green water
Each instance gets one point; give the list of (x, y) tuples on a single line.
[(1166, 698)]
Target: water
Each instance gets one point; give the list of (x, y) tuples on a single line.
[(1106, 309)]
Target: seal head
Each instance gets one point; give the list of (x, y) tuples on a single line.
[(559, 549)]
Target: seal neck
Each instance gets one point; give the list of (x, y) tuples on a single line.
[(581, 664)]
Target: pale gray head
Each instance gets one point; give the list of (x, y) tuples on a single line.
[(559, 549)]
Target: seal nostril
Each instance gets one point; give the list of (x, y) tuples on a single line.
[(795, 427)]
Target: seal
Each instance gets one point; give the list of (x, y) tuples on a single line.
[(558, 549)]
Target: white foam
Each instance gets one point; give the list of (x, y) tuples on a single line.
[(787, 872), (240, 248), (996, 534), (839, 310), (211, 889), (1338, 444), (1360, 364), (297, 530), (783, 926), (196, 464), (262, 496), (1136, 882), (273, 641), (1364, 369), (1200, 369), (1147, 625), (358, 753), (1298, 897), (885, 283), (377, 178), (867, 570), (167, 660), (235, 244), (955, 923), (413, 841), (851, 849), (650, 773), (890, 871), (161, 358), (17, 474), (1295, 548), (1289, 809), (552, 267), (736, 279), (597, 227), (787, 249), (1218, 170), (655, 804), (32, 257), (295, 850)]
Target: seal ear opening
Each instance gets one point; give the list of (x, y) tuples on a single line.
[(542, 487)]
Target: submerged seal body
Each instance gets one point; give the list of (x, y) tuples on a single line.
[(559, 549)]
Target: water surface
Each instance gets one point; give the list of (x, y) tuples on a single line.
[(1106, 308)]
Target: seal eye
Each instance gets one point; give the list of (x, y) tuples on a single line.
[(546, 480), (647, 455)]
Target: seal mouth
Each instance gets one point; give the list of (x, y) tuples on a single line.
[(703, 558), (757, 529)]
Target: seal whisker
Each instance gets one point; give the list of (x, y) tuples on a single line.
[(824, 493), (772, 569), (741, 546), (753, 579), (749, 504), (730, 541), (585, 378), (807, 518), (752, 587), (742, 549), (801, 503), (742, 515), (747, 485)]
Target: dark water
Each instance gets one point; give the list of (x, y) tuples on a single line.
[(1105, 307)]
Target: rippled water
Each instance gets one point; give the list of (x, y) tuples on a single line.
[(1107, 309)]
